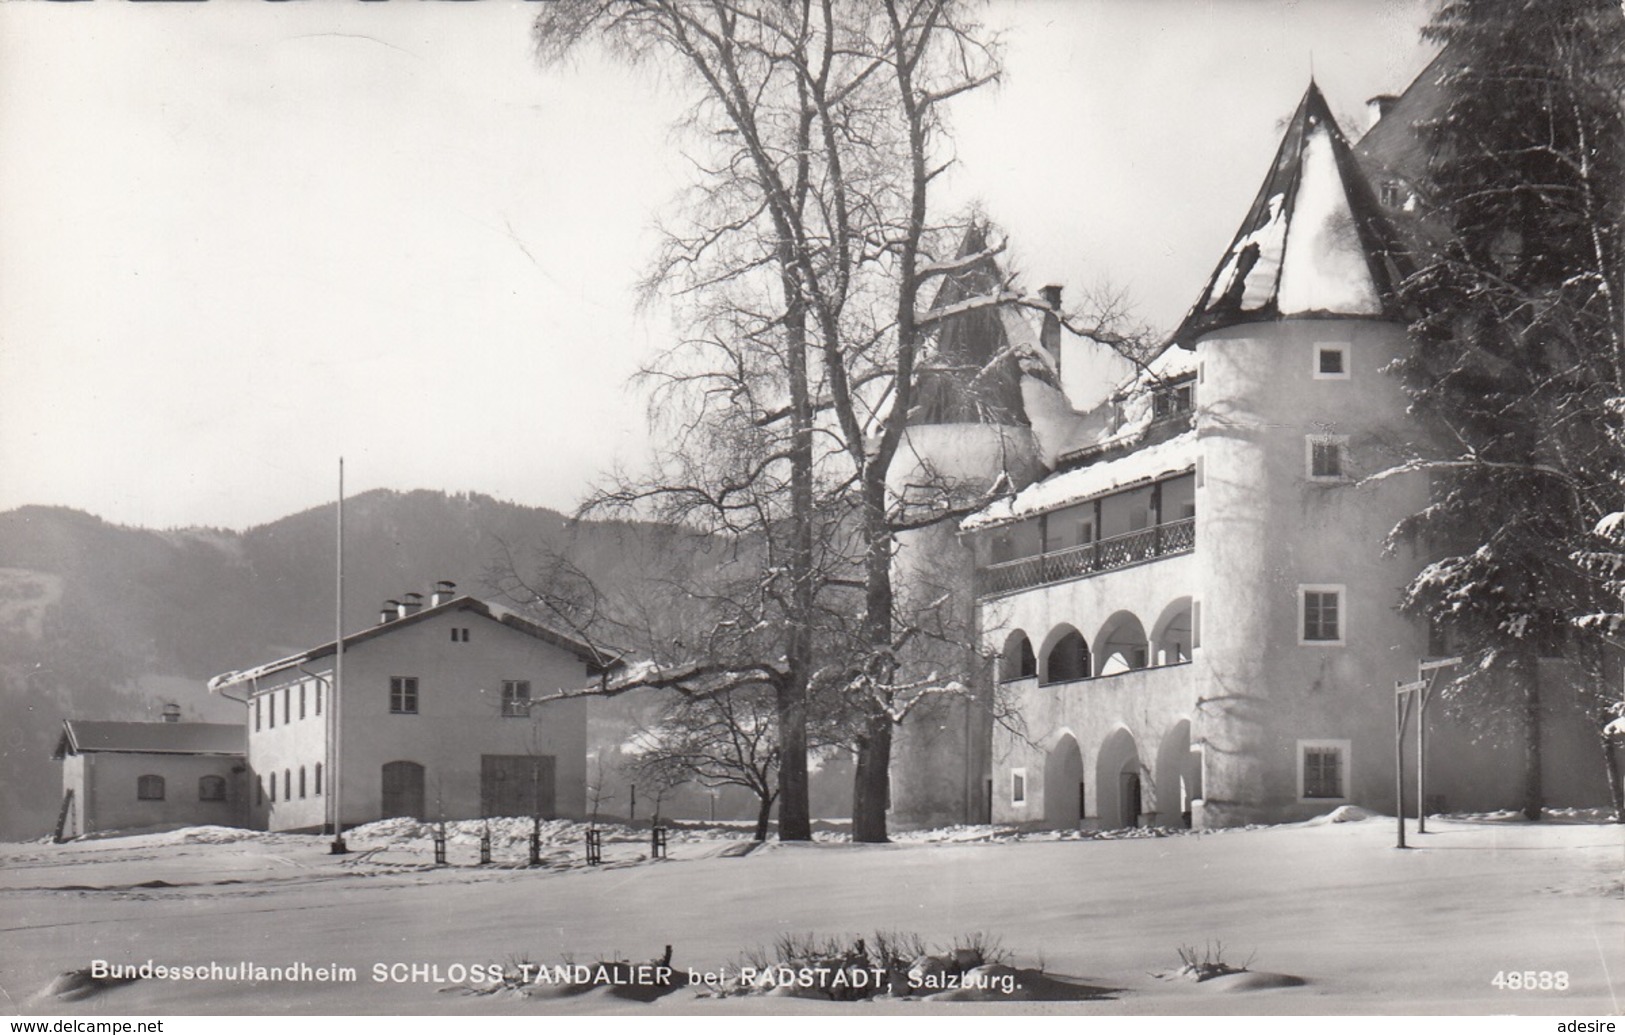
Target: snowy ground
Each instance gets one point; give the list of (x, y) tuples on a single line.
[(1368, 928)]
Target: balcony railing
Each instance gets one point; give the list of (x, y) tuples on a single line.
[(1077, 562)]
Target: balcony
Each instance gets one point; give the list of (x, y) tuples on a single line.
[(1078, 562)]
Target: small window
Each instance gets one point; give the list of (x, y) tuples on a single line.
[(1327, 457), (287, 704), (270, 700), (1086, 532), (301, 781), (1323, 769), (259, 790), (318, 697), (1321, 608), (516, 698), (149, 788), (318, 779), (211, 788), (301, 700), (257, 713), (1331, 362), (403, 695), (1018, 786), (287, 784), (273, 788), (1390, 194)]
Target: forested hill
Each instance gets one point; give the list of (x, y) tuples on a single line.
[(103, 621)]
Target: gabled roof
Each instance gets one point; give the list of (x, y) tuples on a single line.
[(954, 385), (81, 736), (484, 608), (1314, 243)]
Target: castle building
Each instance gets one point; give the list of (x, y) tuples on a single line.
[(441, 717), (1192, 608)]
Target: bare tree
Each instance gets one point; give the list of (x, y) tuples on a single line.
[(725, 740), (807, 249)]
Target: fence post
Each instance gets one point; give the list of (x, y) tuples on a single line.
[(657, 843), (440, 845), (595, 847), (485, 845)]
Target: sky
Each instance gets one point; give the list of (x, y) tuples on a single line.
[(240, 240)]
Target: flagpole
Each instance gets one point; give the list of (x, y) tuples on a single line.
[(334, 748)]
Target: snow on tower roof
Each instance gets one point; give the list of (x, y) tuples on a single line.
[(1314, 243)]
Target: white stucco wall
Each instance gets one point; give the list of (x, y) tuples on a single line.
[(459, 719)]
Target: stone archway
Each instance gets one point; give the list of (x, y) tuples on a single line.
[(1179, 776), (1063, 784), (1119, 795), (1121, 645)]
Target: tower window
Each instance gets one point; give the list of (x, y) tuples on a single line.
[(1331, 362), (1323, 769), (1321, 611), (1327, 457)]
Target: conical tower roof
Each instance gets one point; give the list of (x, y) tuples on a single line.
[(1314, 243), (955, 383)]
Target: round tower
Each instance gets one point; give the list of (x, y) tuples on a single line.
[(1300, 640), (968, 435)]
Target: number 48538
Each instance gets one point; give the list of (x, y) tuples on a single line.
[(1531, 980)]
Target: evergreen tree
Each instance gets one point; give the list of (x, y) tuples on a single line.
[(1518, 358)]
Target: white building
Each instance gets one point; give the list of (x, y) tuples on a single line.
[(1193, 611), (439, 718)]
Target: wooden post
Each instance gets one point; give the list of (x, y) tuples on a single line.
[(1421, 758), (1402, 714)]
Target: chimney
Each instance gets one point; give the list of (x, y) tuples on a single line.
[(1049, 336), (172, 712), (443, 591), (412, 604), (391, 610), (1377, 107)]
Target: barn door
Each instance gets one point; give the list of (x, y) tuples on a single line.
[(517, 785), (403, 790)]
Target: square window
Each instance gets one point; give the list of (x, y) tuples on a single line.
[(149, 788), (516, 698), (1018, 786), (403, 695), (1321, 611), (1323, 770), (1331, 362), (1327, 457)]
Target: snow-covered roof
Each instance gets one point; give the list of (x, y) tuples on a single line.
[(1171, 456), (1315, 241), (488, 609), (80, 736)]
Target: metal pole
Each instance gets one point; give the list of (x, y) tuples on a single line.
[(335, 780)]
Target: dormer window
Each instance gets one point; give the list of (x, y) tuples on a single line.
[(1172, 400), (1390, 194)]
